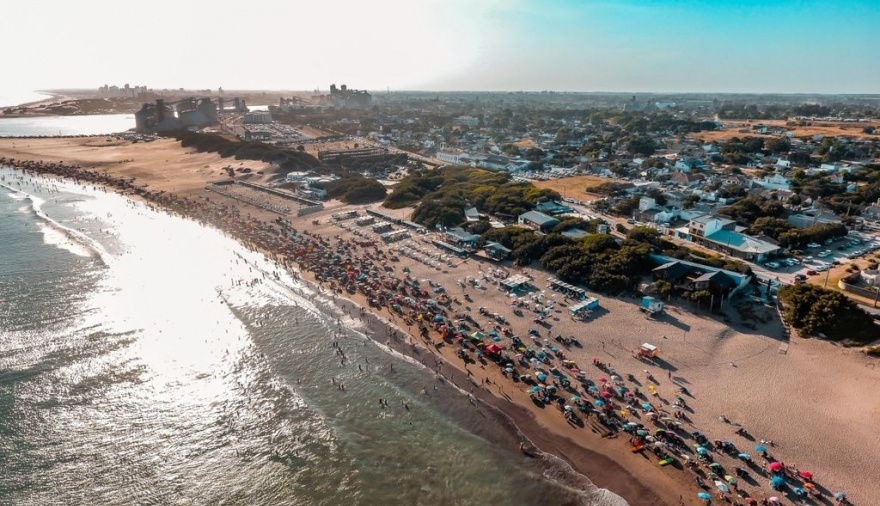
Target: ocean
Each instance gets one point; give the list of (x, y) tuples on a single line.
[(147, 359), (52, 126)]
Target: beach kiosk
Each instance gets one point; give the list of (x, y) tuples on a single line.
[(648, 350), (584, 305), (651, 305)]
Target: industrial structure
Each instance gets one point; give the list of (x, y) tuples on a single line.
[(346, 98), (189, 113)]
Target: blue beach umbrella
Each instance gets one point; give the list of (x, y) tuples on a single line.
[(704, 496), (777, 482), (542, 377), (760, 448), (600, 403), (646, 407), (593, 388), (702, 451), (744, 456)]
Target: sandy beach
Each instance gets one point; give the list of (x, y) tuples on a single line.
[(811, 398)]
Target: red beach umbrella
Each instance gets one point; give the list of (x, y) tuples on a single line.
[(775, 467), (806, 475)]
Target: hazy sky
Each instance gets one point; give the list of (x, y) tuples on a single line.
[(830, 46)]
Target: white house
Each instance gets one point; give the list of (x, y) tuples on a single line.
[(774, 182)]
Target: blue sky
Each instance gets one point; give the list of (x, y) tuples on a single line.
[(787, 46)]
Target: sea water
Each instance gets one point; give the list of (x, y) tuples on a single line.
[(147, 359), (52, 126)]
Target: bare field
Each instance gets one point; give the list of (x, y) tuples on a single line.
[(574, 187), (826, 128)]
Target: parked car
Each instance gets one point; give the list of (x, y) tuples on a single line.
[(813, 245), (812, 272), (772, 265), (823, 254)]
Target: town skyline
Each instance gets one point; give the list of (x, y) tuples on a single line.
[(632, 46)]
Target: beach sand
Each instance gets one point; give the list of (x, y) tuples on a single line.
[(812, 398)]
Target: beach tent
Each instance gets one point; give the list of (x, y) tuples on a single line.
[(493, 349)]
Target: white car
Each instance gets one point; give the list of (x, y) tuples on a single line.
[(823, 254), (813, 245), (772, 265)]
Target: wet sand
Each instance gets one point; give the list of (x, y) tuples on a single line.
[(804, 395)]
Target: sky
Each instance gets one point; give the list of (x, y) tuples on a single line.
[(745, 46)]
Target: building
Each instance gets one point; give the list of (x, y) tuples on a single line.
[(258, 117), (349, 99), (190, 113), (471, 214), (496, 251), (774, 182), (692, 277), (552, 208), (454, 157), (537, 221), (468, 121), (741, 246), (704, 226), (462, 237)]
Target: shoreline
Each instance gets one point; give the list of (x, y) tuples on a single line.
[(788, 393), (599, 469)]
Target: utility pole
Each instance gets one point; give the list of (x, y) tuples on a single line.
[(827, 275)]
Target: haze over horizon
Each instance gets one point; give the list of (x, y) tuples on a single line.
[(679, 46)]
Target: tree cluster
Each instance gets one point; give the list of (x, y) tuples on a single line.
[(287, 159), (815, 310), (354, 188), (441, 195)]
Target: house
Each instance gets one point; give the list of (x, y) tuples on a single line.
[(813, 217), (537, 220), (471, 214), (704, 226), (691, 277), (741, 246), (552, 208), (462, 237), (496, 250), (872, 212), (774, 182), (575, 233), (686, 179)]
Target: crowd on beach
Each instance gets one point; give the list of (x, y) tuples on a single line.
[(626, 407)]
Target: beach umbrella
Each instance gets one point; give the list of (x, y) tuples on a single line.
[(600, 403), (730, 479), (702, 451), (622, 390), (744, 456), (542, 377), (646, 407), (721, 486), (806, 475), (603, 379), (576, 399), (615, 377), (704, 496), (607, 395), (775, 467), (809, 485), (840, 495), (773, 500), (641, 433), (536, 389), (799, 491), (715, 465), (760, 448), (751, 500), (593, 388), (659, 431), (777, 482)]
